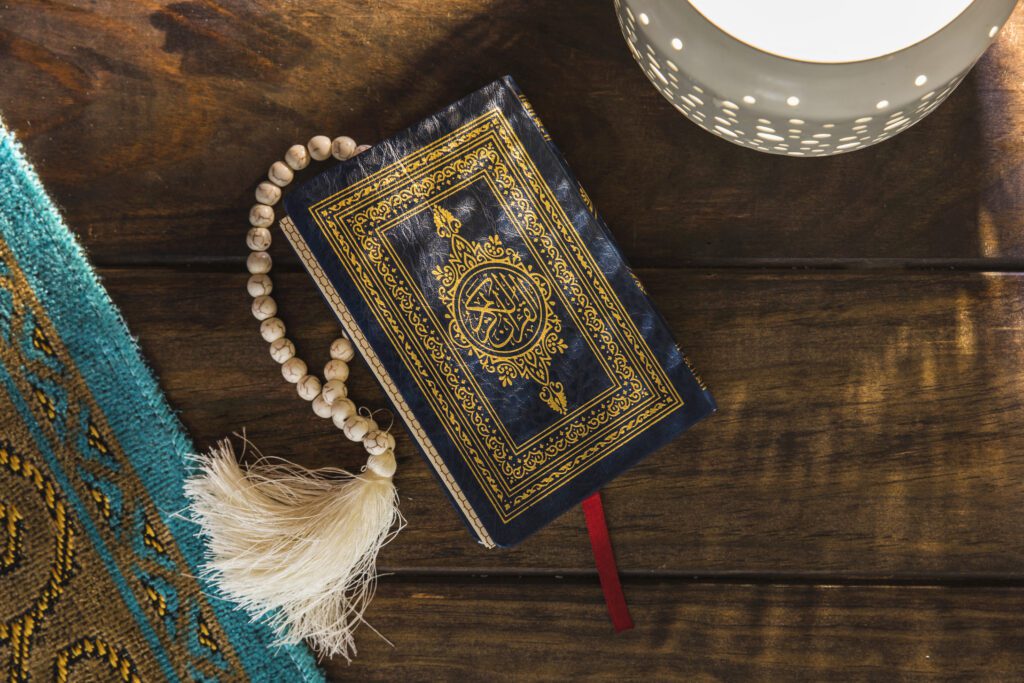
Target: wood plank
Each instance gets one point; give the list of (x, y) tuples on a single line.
[(152, 123), (869, 425), (476, 630)]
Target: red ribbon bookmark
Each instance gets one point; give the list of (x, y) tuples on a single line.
[(604, 558)]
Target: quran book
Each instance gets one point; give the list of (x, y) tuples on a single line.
[(470, 270)]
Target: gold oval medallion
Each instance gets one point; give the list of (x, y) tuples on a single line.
[(500, 309)]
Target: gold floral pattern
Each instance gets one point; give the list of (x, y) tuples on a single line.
[(500, 310)]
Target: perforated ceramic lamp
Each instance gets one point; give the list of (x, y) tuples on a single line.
[(808, 77)]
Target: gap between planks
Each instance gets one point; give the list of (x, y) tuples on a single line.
[(889, 266), (502, 575)]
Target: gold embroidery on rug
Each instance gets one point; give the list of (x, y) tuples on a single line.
[(62, 411)]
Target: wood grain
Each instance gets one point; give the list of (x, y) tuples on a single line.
[(152, 123), (525, 630), (853, 512), (869, 426)]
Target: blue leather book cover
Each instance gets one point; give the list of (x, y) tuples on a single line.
[(469, 268)]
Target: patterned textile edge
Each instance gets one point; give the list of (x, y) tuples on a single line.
[(112, 398)]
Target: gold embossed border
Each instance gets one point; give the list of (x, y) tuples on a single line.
[(422, 175), (536, 211)]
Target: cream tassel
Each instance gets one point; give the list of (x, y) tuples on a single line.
[(296, 546)]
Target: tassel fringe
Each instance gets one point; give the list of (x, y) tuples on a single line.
[(296, 547)]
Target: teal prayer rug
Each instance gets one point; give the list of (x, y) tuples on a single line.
[(97, 566)]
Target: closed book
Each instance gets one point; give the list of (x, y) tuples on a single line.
[(470, 270)]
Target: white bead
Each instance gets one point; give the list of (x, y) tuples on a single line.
[(294, 369), (297, 157), (342, 410), (356, 428), (259, 284), (319, 147), (261, 216), (272, 329), (342, 349), (258, 239), (258, 262), (264, 307), (336, 369), (268, 193), (282, 350), (382, 465), (343, 147), (335, 390), (361, 148), (321, 407), (377, 442), (280, 174), (308, 387)]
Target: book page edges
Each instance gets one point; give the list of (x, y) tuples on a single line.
[(354, 333)]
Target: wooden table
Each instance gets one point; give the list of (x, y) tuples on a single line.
[(855, 509)]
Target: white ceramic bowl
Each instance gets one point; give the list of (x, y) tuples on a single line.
[(808, 77)]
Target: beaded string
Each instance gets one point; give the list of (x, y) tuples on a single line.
[(329, 398)]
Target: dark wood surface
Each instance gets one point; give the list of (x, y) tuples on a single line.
[(854, 509)]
